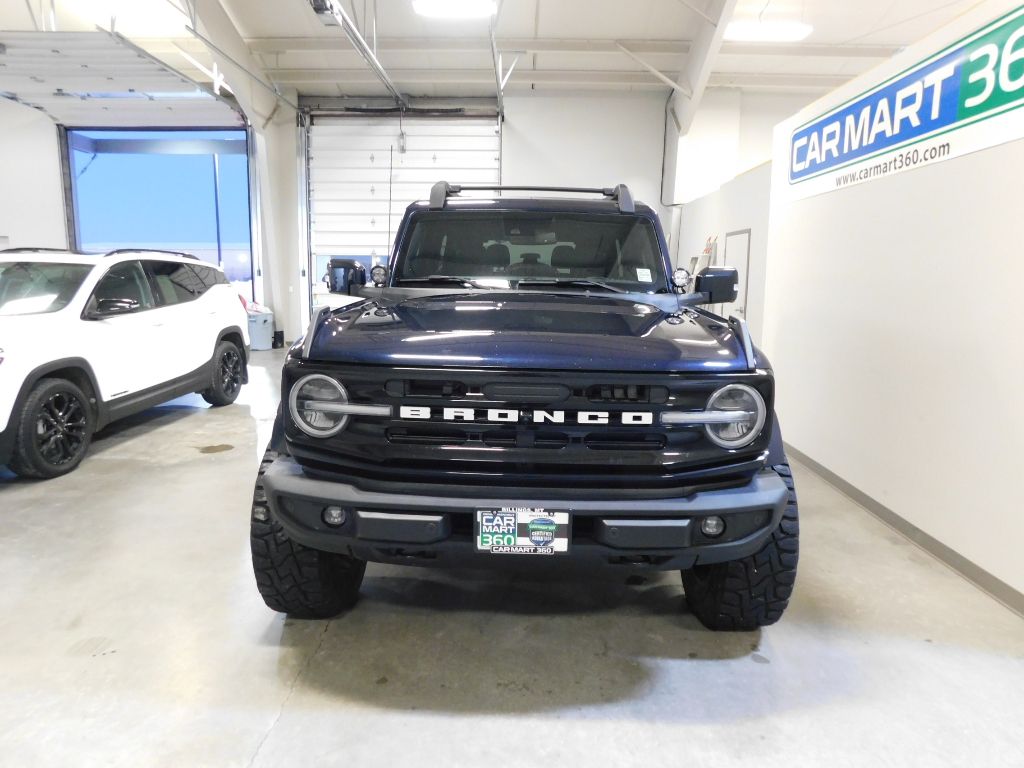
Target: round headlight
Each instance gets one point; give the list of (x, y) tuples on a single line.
[(314, 402), (379, 275), (742, 416)]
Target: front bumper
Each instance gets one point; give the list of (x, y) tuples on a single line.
[(438, 530)]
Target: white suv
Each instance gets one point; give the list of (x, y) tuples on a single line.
[(87, 339)]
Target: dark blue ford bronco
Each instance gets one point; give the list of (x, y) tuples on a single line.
[(528, 380)]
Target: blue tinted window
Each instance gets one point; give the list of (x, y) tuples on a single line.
[(172, 190)]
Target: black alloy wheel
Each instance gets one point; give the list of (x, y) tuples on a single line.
[(231, 372), (55, 423), (228, 375), (61, 428)]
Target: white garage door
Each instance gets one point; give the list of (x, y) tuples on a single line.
[(360, 180)]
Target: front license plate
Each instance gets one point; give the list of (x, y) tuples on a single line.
[(522, 531)]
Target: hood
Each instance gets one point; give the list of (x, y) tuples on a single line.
[(528, 331), (27, 330)]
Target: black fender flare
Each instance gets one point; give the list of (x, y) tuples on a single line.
[(277, 439), (776, 448), (78, 363)]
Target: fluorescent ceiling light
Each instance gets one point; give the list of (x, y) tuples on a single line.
[(767, 31), (456, 9), (132, 18)]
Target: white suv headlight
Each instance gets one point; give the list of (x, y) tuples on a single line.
[(735, 416)]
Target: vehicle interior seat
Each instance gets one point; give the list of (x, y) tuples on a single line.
[(497, 257), (566, 257), (530, 266)]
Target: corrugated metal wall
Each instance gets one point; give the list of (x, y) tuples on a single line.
[(360, 182)]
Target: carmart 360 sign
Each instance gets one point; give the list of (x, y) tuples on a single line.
[(922, 114)]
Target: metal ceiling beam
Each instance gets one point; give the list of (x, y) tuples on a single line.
[(496, 61), (270, 88), (681, 109), (332, 13), (467, 44), (656, 72), (710, 19), (699, 63), (822, 51), (355, 79), (508, 72), (277, 45), (777, 81)]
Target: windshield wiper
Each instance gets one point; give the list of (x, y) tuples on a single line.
[(580, 281), (443, 279)]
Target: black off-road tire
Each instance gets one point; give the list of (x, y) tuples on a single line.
[(752, 592), (228, 364), (54, 430), (302, 582)]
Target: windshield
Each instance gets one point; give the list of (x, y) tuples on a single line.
[(35, 287), (505, 249)]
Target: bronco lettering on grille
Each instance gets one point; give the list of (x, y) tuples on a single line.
[(514, 416)]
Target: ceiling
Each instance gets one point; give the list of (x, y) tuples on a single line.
[(570, 44), (555, 44)]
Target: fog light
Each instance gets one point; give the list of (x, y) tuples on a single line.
[(335, 516), (712, 527)]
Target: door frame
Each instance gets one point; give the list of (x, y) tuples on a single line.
[(746, 271)]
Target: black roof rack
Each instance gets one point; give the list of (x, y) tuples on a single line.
[(442, 190), (34, 249), (184, 255)]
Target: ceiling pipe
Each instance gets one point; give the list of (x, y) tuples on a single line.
[(331, 13)]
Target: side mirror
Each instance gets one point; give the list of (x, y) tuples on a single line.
[(720, 284), (344, 274), (110, 307)]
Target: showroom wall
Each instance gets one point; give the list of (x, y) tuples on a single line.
[(31, 194), (594, 139), (739, 204), (894, 322), (731, 134)]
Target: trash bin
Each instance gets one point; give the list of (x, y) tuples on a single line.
[(261, 330)]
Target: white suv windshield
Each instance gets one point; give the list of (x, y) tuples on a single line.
[(35, 287), (504, 249)]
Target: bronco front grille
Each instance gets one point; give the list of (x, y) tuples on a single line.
[(471, 448)]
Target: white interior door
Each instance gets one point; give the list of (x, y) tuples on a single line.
[(737, 254), (363, 173)]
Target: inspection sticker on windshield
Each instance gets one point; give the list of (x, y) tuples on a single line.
[(643, 275), (522, 531)]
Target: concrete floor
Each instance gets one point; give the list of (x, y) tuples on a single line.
[(133, 635)]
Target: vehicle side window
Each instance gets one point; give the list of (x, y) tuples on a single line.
[(173, 282), (125, 282), (210, 276)]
